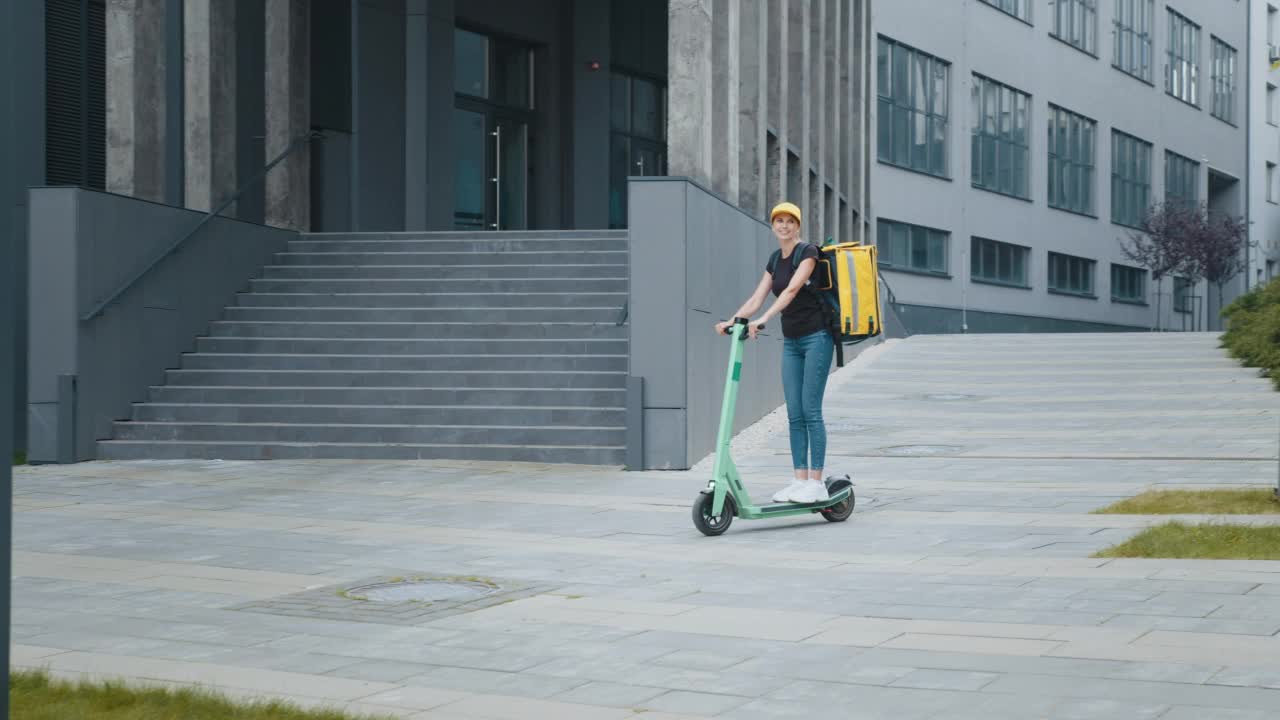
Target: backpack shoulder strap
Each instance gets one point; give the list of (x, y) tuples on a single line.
[(773, 260)]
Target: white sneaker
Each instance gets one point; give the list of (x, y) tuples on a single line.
[(810, 491), (784, 495)]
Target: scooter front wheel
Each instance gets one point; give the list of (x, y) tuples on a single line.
[(707, 523)]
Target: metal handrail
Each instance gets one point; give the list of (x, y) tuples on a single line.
[(124, 287)]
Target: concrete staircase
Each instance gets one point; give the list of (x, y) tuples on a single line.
[(485, 346)]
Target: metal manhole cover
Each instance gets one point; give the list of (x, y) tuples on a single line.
[(430, 591), (948, 397), (918, 450)]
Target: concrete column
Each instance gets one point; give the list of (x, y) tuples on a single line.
[(288, 110), (752, 108), (689, 90), (441, 18), (797, 106), (726, 82), (591, 135), (776, 99), (210, 69), (415, 115), (136, 98), (815, 102), (859, 63)]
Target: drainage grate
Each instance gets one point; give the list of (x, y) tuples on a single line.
[(430, 591), (949, 397), (398, 600)]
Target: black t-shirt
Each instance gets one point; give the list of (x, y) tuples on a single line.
[(803, 316)]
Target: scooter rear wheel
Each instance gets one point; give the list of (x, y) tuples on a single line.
[(708, 524), (843, 509)]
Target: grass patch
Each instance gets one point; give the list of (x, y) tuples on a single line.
[(20, 458), (1253, 501), (1206, 541), (34, 696)]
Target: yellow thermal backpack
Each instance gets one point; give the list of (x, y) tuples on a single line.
[(847, 283)]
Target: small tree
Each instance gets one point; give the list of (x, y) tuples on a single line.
[(1163, 243), (1219, 251)]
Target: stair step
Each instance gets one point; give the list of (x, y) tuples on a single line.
[(494, 246), (443, 285), (416, 330), (514, 362), (315, 299), (475, 415), (397, 379), (375, 434), (443, 315), (446, 258), (436, 346), (429, 272), (151, 450), (391, 396)]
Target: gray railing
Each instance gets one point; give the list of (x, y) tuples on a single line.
[(297, 143)]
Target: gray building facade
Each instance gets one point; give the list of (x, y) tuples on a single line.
[(420, 116), (1019, 141)]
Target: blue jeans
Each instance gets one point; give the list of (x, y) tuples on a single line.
[(806, 362)]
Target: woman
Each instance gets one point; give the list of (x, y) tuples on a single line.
[(806, 352)]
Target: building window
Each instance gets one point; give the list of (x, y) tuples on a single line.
[(1020, 9), (1072, 155), (1130, 179), (1069, 274), (1128, 284), (912, 107), (1183, 298), (1181, 179), (1271, 103), (1075, 22), (1001, 118), (912, 247), (1223, 80), (1182, 74), (1271, 182), (638, 142), (992, 261), (1133, 24)]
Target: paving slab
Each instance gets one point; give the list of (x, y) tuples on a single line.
[(962, 587)]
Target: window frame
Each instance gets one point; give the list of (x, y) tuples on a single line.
[(891, 110), (1088, 269), (1006, 145), (1223, 89), (1142, 39), (1000, 6), (1075, 141), (1176, 163), (1175, 53), (1088, 8), (885, 244), (1134, 144), (1141, 274), (1021, 250), (1183, 291)]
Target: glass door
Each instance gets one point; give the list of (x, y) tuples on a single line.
[(491, 176), (493, 116)]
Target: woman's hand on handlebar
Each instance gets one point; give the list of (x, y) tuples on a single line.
[(754, 327), (721, 327)]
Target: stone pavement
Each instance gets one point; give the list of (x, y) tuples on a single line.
[(961, 588)]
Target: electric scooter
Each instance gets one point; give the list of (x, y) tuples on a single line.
[(725, 497)]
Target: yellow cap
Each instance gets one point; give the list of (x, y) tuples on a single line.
[(785, 208)]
